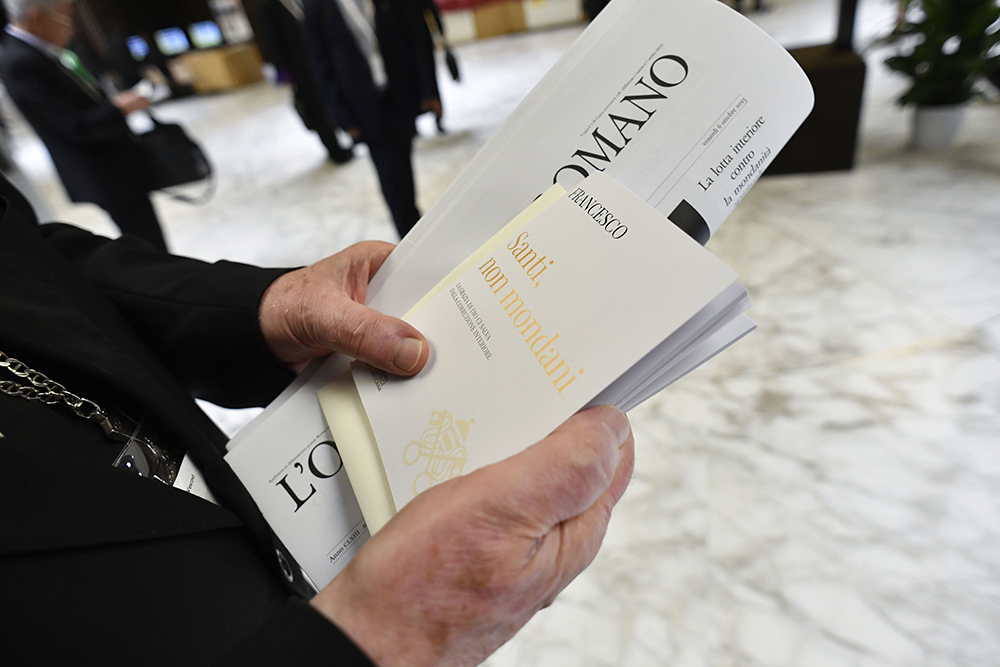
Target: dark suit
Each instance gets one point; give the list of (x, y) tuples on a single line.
[(95, 153), (282, 39), (97, 565), (385, 118)]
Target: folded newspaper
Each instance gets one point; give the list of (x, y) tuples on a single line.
[(564, 267)]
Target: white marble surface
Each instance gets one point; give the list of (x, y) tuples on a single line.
[(824, 494)]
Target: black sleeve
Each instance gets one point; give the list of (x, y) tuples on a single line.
[(299, 636), (200, 319)]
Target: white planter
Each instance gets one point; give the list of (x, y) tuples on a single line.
[(935, 128)]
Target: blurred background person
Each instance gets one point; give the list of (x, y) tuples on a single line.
[(374, 63), (432, 16), (593, 7), (85, 132), (8, 166), (282, 38)]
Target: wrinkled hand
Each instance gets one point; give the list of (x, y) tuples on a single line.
[(128, 101), (320, 309), (465, 564)]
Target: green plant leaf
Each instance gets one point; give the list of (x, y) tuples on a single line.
[(941, 78)]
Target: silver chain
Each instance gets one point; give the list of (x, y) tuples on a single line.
[(140, 454), (44, 390)]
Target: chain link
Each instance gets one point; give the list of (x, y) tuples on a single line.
[(42, 389), (140, 454)]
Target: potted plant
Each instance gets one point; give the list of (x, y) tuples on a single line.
[(952, 43)]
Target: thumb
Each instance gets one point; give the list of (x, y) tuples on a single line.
[(561, 491), (385, 342), (560, 477)]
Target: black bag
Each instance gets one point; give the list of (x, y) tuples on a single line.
[(452, 62), (173, 158)]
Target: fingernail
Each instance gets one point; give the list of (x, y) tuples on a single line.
[(407, 353), (616, 421)]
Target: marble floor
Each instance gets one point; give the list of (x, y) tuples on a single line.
[(824, 494)]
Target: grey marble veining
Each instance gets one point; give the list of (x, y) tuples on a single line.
[(859, 508), (824, 494)]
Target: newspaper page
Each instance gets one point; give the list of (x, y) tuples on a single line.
[(684, 102)]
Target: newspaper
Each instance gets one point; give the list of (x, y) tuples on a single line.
[(684, 102)]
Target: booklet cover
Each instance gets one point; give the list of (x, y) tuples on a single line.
[(538, 326)]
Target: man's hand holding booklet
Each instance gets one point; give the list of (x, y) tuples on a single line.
[(563, 268)]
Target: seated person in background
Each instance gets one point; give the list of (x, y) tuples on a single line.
[(94, 151), (101, 566)]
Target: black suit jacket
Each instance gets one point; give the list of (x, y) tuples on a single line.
[(98, 566), (97, 156), (343, 72), (283, 35)]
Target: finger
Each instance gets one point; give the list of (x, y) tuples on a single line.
[(374, 253), (566, 550), (565, 473), (354, 267), (581, 536), (385, 342)]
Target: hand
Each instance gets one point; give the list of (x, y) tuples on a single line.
[(320, 309), (432, 104), (128, 101), (467, 563)]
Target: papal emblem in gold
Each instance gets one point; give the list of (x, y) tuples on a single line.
[(442, 446)]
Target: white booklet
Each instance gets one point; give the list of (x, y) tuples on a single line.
[(682, 102), (531, 328)]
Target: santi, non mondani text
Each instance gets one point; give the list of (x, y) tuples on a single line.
[(541, 346), (528, 259)]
